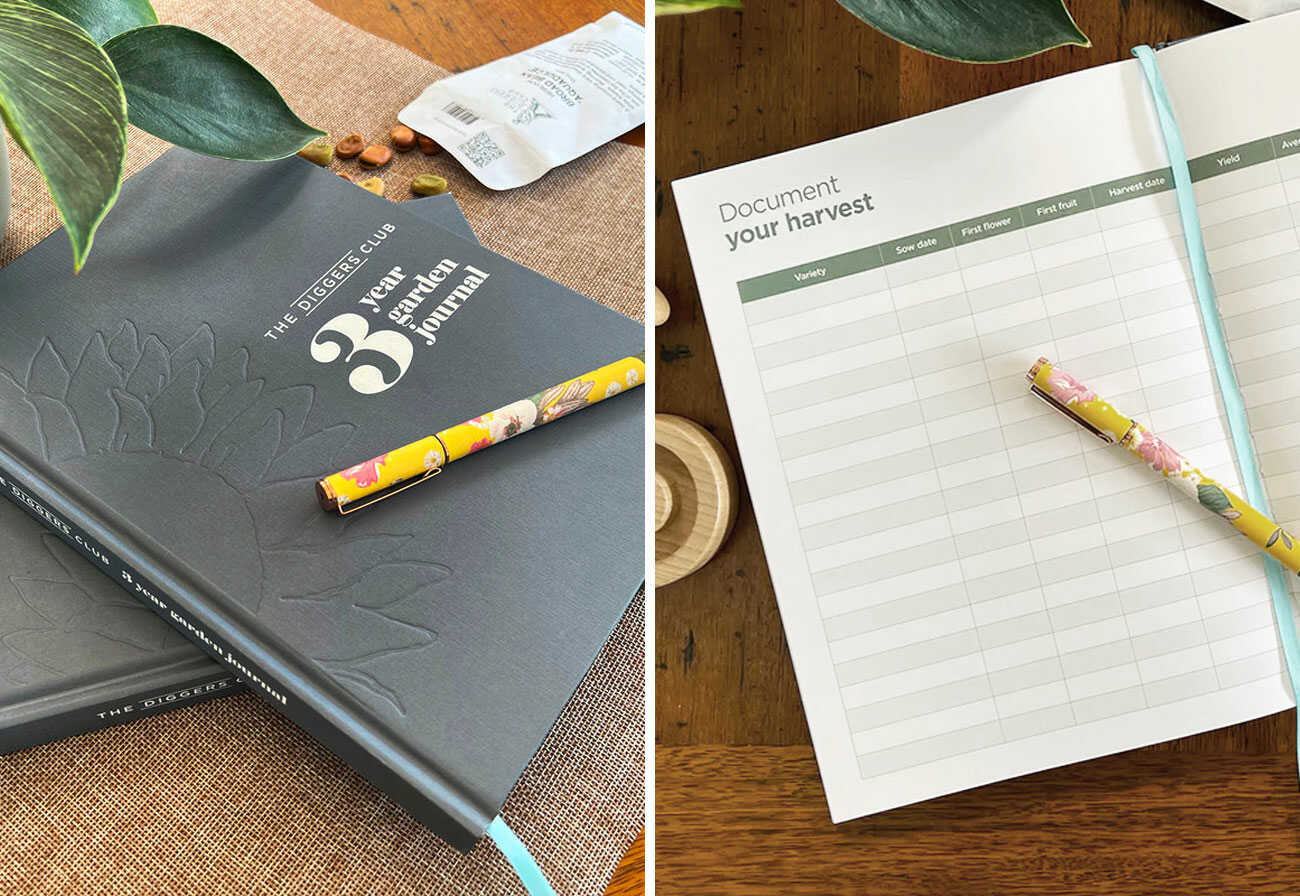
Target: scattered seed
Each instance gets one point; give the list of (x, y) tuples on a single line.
[(373, 184), (375, 156), (427, 145), (662, 308), (318, 152), (350, 146), (428, 185), (347, 177), (403, 138)]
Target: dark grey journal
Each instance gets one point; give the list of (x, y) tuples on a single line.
[(441, 211), (241, 330), (76, 654)]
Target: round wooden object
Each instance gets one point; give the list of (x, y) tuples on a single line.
[(663, 501), (662, 308), (695, 497)]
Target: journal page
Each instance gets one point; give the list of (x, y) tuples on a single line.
[(1249, 201), (972, 587)]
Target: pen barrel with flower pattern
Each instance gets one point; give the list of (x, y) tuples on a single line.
[(1079, 402), (425, 457)]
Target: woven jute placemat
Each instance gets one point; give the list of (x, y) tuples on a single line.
[(228, 797)]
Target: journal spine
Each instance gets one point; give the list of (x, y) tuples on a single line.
[(127, 708), (462, 826)]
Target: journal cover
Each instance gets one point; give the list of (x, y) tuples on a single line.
[(441, 211), (168, 410), (76, 654)]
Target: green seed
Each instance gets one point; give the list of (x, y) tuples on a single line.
[(318, 152), (429, 185), (373, 184)]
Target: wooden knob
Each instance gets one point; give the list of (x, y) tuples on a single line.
[(663, 501), (695, 497), (662, 308)]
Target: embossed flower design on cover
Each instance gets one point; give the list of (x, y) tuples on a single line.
[(190, 418)]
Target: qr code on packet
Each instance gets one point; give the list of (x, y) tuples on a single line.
[(482, 150)]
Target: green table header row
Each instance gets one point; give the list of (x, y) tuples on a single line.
[(1049, 209)]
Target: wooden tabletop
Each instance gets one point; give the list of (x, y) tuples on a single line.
[(740, 808), (462, 34)]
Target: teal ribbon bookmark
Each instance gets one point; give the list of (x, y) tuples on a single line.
[(1229, 390), (520, 858)]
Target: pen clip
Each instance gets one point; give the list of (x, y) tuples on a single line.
[(345, 509), (1065, 409)]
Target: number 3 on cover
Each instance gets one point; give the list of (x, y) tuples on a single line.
[(378, 360)]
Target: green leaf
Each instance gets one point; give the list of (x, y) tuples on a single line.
[(195, 92), (973, 30), (103, 19), (63, 103), (1213, 498), (673, 7)]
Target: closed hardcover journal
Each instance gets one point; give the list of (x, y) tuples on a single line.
[(76, 653), (242, 330)]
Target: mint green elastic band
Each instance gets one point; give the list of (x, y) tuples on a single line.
[(1229, 390), (519, 858)]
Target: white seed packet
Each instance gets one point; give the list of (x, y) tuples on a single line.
[(512, 120)]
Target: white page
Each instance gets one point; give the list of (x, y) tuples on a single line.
[(898, 466), (1256, 9)]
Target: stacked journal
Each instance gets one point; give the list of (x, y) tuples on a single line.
[(76, 653), (243, 330)]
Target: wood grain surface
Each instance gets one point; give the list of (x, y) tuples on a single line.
[(753, 820), (462, 34), (629, 877), (739, 805)]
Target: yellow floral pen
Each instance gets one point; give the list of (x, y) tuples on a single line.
[(1082, 405), (360, 486)]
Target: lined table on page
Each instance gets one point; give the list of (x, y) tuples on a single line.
[(975, 588)]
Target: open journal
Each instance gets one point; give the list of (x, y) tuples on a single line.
[(972, 587)]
